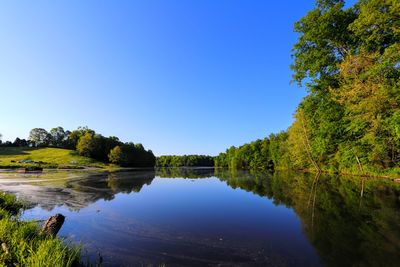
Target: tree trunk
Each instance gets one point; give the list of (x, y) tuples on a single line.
[(53, 225), (306, 142)]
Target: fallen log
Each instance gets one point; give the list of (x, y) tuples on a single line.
[(32, 169), (53, 225)]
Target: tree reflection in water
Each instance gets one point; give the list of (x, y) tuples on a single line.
[(75, 190), (351, 221)]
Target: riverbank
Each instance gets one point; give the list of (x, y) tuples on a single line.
[(23, 244), (391, 174)]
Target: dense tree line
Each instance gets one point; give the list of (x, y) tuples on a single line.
[(185, 160), (349, 61), (88, 143), (17, 142), (255, 155)]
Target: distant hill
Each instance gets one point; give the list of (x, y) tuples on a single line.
[(46, 157)]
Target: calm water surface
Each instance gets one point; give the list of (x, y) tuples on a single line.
[(202, 217)]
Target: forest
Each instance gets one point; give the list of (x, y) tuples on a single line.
[(86, 142), (185, 161), (348, 59)]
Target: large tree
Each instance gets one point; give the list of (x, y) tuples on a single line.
[(39, 137), (58, 136), (350, 60), (115, 155), (324, 40), (85, 145)]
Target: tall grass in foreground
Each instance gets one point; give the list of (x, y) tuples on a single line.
[(22, 244)]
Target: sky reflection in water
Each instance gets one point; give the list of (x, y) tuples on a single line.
[(225, 218)]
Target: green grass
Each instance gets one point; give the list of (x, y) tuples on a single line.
[(22, 243), (52, 157)]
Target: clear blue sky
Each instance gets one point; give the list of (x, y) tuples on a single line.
[(181, 77)]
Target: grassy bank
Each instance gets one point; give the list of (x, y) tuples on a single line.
[(22, 243), (392, 173), (15, 157)]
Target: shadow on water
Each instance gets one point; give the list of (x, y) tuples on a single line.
[(351, 221), (348, 220)]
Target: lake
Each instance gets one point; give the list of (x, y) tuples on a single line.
[(207, 217)]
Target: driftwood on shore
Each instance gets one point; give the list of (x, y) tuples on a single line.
[(33, 169), (53, 225)]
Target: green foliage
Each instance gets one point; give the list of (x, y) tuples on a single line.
[(39, 137), (86, 142), (279, 150), (324, 40), (74, 136), (99, 147), (58, 136), (377, 25), (115, 155), (349, 59), (26, 245), (255, 155), (135, 155), (85, 145), (9, 203), (185, 161)]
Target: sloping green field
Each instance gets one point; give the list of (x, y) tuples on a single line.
[(49, 157)]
